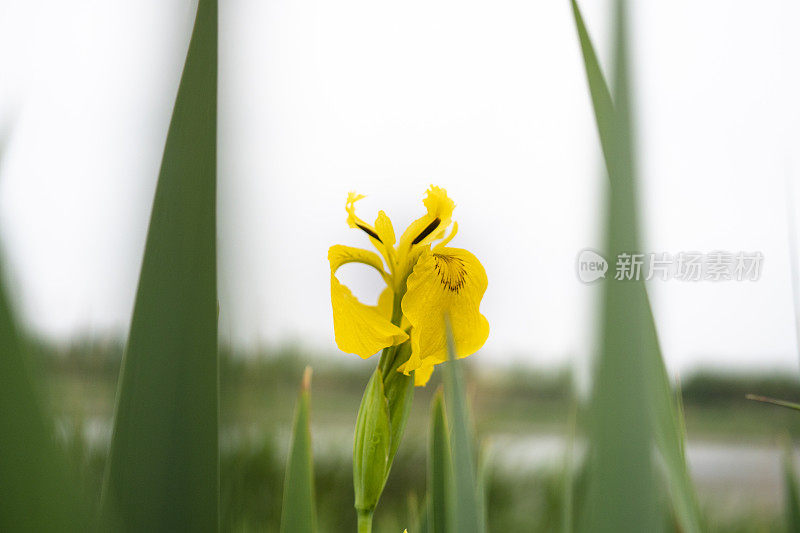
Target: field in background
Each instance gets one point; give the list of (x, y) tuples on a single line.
[(521, 416)]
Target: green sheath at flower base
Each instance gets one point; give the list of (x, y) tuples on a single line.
[(371, 447), (399, 390)]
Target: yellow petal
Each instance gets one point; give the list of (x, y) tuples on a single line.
[(445, 282), (359, 328), (381, 234), (422, 375), (422, 370), (384, 229), (386, 303), (430, 227), (386, 307), (339, 255)]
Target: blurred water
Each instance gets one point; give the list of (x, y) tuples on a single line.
[(733, 475)]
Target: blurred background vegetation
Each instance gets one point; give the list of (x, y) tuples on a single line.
[(521, 417)]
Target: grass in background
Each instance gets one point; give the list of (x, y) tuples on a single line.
[(440, 470), (299, 514), (506, 402), (465, 509)]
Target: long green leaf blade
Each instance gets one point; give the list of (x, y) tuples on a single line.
[(468, 509), (299, 513), (440, 470), (622, 494), (669, 429), (669, 437), (163, 465)]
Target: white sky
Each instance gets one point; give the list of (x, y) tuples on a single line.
[(487, 99)]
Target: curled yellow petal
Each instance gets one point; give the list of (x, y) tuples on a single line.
[(445, 282), (432, 226), (381, 234), (359, 328), (339, 255)]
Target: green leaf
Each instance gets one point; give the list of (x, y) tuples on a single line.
[(416, 513), (616, 141), (622, 493), (372, 443), (299, 513), (163, 466), (468, 516), (483, 480), (670, 434), (422, 525), (38, 491), (792, 493), (601, 96), (440, 470)]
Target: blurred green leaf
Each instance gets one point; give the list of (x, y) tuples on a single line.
[(670, 434), (372, 442), (440, 470), (299, 513), (163, 467), (468, 516), (423, 525), (792, 494), (483, 481), (614, 127), (622, 492), (416, 513), (598, 89), (38, 491)]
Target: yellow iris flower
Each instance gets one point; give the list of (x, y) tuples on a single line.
[(425, 282)]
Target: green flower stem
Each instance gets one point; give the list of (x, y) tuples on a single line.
[(365, 522), (387, 360)]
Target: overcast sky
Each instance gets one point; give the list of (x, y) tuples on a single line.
[(486, 99)]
